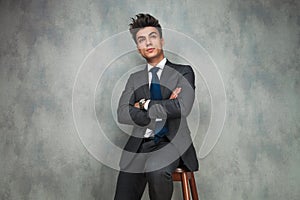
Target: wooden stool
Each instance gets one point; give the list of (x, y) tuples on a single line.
[(186, 177)]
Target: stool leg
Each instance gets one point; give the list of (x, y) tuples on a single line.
[(193, 187), (185, 186)]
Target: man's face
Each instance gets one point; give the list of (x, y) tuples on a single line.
[(149, 43)]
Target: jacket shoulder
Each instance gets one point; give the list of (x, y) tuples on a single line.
[(138, 73), (179, 67)]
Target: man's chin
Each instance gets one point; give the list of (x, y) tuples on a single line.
[(149, 57)]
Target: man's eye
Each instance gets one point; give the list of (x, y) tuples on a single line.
[(153, 36), (141, 40)]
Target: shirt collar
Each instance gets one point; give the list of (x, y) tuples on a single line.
[(160, 65)]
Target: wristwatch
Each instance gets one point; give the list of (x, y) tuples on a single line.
[(142, 103)]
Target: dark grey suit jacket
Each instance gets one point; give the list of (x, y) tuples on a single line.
[(174, 111)]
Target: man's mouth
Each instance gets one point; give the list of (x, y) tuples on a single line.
[(150, 50)]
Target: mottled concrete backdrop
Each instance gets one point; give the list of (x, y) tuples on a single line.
[(254, 43)]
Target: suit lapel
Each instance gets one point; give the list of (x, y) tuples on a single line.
[(165, 80), (145, 83)]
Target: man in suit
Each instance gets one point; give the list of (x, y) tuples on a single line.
[(156, 101)]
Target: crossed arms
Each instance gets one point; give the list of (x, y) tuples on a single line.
[(179, 103)]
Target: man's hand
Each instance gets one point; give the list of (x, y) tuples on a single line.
[(175, 93), (136, 105)]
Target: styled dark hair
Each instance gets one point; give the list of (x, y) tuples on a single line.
[(141, 21)]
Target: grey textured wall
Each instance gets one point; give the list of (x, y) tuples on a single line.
[(254, 43)]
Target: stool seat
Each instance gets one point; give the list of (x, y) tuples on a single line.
[(187, 178)]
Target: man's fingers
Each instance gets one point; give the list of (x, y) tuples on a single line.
[(178, 90), (137, 105), (175, 93)]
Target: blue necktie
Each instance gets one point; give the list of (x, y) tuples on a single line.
[(160, 129)]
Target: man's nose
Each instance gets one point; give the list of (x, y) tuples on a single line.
[(148, 41)]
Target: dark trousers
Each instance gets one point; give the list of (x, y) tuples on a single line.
[(154, 168)]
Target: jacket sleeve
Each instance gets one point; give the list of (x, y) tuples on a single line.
[(126, 112), (182, 105)]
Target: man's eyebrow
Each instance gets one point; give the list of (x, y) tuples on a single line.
[(153, 33), (141, 36)]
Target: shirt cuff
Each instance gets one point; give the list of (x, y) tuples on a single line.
[(146, 104)]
